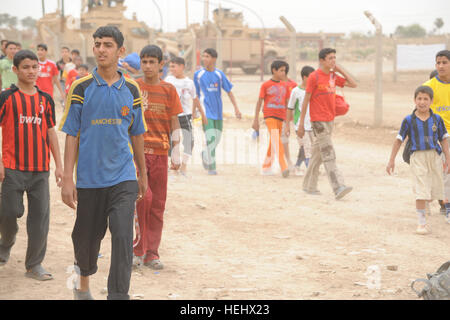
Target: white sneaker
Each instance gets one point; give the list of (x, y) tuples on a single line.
[(267, 172), (422, 229)]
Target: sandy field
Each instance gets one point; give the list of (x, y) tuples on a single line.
[(240, 235)]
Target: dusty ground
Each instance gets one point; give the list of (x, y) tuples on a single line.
[(239, 235)]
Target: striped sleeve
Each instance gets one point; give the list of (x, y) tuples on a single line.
[(49, 110), (404, 129), (138, 125), (3, 99)]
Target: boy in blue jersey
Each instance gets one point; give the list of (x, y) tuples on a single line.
[(209, 83), (425, 130), (104, 124)]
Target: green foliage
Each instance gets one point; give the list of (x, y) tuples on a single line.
[(412, 31)]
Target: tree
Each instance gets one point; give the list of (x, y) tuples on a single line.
[(438, 24), (28, 23), (412, 31)]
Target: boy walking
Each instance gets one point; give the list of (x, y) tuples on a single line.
[(275, 94), (104, 124), (161, 109), (209, 83), (27, 117), (320, 98), (425, 130), (295, 101), (186, 91), (48, 73)]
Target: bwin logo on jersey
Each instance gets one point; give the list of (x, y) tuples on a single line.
[(32, 119)]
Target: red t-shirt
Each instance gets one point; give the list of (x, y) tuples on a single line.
[(291, 85), (322, 87), (47, 70), (160, 103), (275, 94), (71, 77)]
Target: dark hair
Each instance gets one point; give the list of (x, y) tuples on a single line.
[(3, 41), (433, 74), (277, 64), (111, 32), (75, 51), (443, 53), (287, 67), (212, 52), (10, 43), (326, 51), (306, 71), (424, 89), (83, 66), (178, 60), (42, 46), (67, 48), (152, 51), (22, 55)]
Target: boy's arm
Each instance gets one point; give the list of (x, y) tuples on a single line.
[(350, 82), (175, 134), (54, 147), (197, 105), (444, 145), (303, 111), (233, 101), (137, 143), (68, 191), (289, 117), (391, 164), (255, 125)]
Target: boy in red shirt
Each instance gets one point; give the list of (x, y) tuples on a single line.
[(161, 108), (27, 118), (48, 73), (275, 94), (321, 97)]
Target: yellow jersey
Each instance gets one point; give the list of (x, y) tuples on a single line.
[(441, 99)]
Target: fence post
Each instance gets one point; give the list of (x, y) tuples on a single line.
[(292, 55)]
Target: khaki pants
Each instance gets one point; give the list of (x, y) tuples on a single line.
[(446, 177), (322, 151)]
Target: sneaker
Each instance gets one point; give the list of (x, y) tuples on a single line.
[(342, 191), (80, 295), (4, 256), (285, 173), (312, 192), (212, 172), (138, 261), (421, 229), (267, 172), (154, 264)]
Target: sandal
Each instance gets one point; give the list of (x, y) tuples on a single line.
[(155, 264), (38, 273)]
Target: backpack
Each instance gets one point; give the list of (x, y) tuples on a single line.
[(437, 285), (407, 149)]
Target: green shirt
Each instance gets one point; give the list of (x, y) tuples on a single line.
[(8, 75)]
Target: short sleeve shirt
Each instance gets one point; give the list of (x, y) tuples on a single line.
[(322, 88), (8, 75), (160, 103), (209, 85), (104, 117), (275, 94), (186, 91), (441, 99), (295, 103), (47, 70)]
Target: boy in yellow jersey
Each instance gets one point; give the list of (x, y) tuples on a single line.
[(441, 105)]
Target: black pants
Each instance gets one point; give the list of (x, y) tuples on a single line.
[(11, 208), (188, 134), (97, 207)]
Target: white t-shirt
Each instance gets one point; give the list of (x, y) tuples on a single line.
[(297, 96), (186, 91)]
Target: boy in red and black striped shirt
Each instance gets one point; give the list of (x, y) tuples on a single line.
[(27, 118)]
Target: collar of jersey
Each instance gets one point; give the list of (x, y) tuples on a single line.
[(100, 82)]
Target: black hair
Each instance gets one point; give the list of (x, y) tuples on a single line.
[(111, 32), (424, 89), (84, 66), (10, 43), (3, 41), (326, 51), (22, 55), (287, 67), (178, 60), (306, 71), (75, 51), (433, 74), (152, 51), (67, 48), (42, 46), (443, 53), (212, 52), (277, 64)]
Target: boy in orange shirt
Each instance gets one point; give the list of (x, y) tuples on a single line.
[(275, 94), (161, 108)]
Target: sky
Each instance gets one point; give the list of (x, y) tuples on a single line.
[(306, 16)]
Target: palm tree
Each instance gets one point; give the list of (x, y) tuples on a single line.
[(438, 24)]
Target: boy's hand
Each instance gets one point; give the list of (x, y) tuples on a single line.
[(255, 125), (58, 176), (69, 193), (390, 167), (2, 171), (301, 130), (204, 120), (287, 130), (238, 114), (142, 184)]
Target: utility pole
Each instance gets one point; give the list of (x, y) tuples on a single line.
[(292, 55), (378, 109), (43, 7), (187, 14)]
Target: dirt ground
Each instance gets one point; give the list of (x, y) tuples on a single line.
[(239, 235)]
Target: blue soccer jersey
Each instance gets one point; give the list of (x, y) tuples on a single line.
[(104, 117), (209, 85)]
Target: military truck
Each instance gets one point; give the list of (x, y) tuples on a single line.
[(58, 30)]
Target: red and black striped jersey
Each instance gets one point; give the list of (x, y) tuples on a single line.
[(25, 120)]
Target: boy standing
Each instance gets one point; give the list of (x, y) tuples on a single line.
[(295, 102), (7, 75), (209, 83), (320, 97), (48, 73), (27, 117), (161, 108), (440, 105), (186, 91), (275, 94), (424, 129), (104, 124)]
